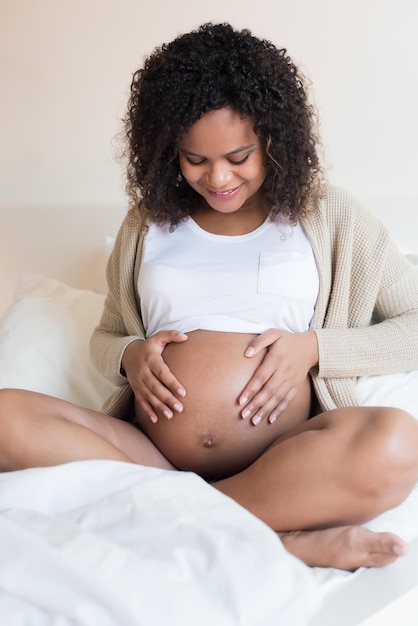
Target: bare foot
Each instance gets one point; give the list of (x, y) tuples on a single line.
[(344, 547)]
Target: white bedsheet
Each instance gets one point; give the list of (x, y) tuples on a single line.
[(102, 543)]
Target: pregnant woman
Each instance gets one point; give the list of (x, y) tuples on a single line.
[(245, 297)]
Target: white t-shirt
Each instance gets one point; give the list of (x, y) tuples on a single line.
[(191, 279)]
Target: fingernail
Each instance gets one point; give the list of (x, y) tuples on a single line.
[(246, 414), (181, 392), (243, 401), (256, 419), (178, 407), (249, 351), (272, 419), (168, 414)]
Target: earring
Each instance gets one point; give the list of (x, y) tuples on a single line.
[(179, 179)]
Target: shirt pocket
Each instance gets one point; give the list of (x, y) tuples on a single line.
[(286, 274)]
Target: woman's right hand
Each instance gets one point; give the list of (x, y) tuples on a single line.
[(156, 389)]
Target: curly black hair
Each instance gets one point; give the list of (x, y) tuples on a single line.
[(210, 68)]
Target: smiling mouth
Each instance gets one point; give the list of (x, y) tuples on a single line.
[(224, 194)]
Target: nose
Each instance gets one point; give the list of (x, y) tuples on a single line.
[(218, 174)]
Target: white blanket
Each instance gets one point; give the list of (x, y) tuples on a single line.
[(101, 543)]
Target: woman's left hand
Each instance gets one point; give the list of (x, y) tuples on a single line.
[(276, 381)]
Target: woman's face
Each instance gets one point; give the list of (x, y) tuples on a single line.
[(223, 160)]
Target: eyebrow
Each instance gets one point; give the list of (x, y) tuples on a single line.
[(235, 151)]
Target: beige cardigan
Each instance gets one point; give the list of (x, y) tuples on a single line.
[(366, 315)]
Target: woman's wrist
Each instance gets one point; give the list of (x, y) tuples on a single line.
[(124, 362), (312, 348)]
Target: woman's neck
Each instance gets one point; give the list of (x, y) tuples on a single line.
[(240, 222)]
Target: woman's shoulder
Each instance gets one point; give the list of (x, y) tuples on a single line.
[(130, 236), (133, 225), (333, 206), (340, 216), (136, 218), (341, 207), (336, 199)]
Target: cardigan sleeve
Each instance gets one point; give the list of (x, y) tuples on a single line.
[(120, 323), (385, 347), (371, 323)]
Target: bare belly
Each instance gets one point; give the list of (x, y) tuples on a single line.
[(210, 437)]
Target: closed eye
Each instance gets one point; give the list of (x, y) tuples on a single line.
[(197, 163), (239, 162), (189, 160)]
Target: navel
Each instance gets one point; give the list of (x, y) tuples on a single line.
[(208, 441)]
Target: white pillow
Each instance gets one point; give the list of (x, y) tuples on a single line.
[(398, 390), (44, 341)]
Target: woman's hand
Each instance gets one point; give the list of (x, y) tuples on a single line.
[(276, 381), (154, 386)]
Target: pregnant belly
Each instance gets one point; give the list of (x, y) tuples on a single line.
[(210, 437)]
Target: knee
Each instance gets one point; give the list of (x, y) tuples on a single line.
[(388, 443)]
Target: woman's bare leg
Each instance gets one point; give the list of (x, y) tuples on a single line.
[(39, 430), (340, 468)]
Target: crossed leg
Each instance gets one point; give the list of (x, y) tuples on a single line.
[(327, 476), (38, 430), (314, 485)]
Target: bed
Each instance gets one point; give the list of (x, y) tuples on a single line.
[(108, 543)]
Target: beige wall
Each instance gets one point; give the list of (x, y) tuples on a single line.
[(65, 67)]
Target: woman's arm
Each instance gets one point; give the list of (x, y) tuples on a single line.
[(120, 323), (118, 346), (369, 324), (366, 317), (388, 345)]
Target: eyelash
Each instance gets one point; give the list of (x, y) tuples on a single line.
[(232, 162)]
